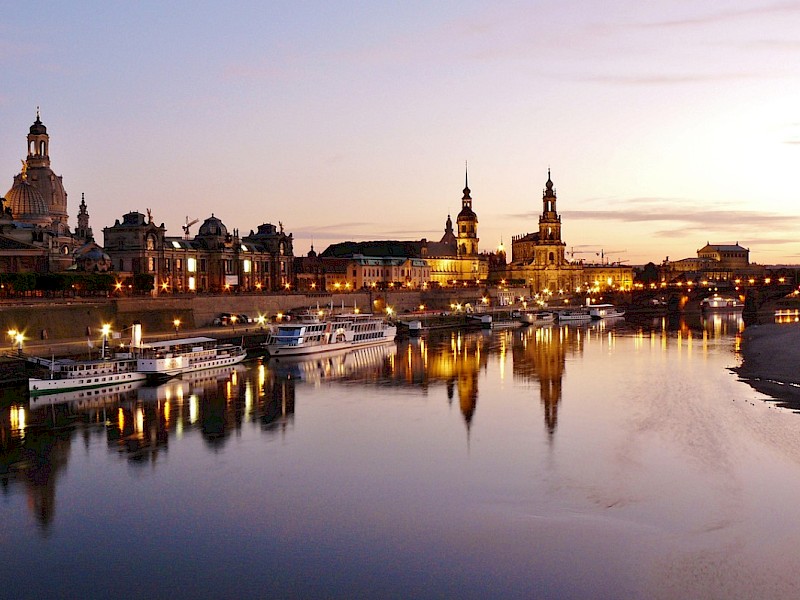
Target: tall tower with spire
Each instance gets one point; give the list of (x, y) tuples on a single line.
[(41, 176), (550, 220), (467, 222), (83, 231)]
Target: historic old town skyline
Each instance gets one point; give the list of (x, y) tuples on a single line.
[(665, 126)]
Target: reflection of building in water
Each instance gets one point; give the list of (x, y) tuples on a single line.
[(277, 411), (454, 359), (36, 437), (540, 355), (33, 460)]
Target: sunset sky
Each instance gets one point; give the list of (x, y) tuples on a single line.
[(666, 124)]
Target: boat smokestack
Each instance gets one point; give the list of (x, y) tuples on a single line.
[(136, 335)]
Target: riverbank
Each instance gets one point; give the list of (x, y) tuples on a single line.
[(771, 361)]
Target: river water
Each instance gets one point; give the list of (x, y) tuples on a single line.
[(610, 460)]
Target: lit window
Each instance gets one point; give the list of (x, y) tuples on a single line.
[(191, 265)]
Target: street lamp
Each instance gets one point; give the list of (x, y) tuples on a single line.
[(233, 321), (176, 323), (19, 337), (12, 333)]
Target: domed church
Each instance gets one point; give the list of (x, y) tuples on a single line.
[(34, 229)]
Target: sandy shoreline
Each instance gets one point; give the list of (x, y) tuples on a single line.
[(771, 361)]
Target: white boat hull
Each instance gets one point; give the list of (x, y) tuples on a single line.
[(277, 351), (574, 316), (537, 318), (38, 386)]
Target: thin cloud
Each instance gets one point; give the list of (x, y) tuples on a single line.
[(726, 16), (690, 217), (669, 79)]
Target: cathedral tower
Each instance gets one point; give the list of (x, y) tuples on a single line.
[(41, 176), (467, 222)]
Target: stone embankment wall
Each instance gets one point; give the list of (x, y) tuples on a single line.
[(75, 318)]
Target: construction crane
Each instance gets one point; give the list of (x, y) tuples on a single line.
[(602, 254), (187, 225)]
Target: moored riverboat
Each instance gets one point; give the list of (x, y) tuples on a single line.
[(67, 374), (717, 303), (537, 317), (605, 311), (168, 358), (335, 333), (574, 314)]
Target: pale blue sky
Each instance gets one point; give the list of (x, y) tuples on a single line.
[(666, 124)]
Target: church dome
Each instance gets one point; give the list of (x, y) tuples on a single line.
[(92, 258), (26, 203), (213, 226)]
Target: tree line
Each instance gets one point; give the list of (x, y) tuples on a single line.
[(73, 284)]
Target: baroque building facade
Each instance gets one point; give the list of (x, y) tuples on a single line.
[(453, 260), (214, 260), (714, 262), (539, 258), (34, 229)]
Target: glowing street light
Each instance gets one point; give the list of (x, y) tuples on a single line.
[(19, 339), (12, 333), (233, 321), (176, 323)]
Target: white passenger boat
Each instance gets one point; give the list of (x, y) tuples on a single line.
[(721, 303), (574, 314), (174, 357), (536, 317), (605, 311), (68, 374), (484, 320), (335, 333)]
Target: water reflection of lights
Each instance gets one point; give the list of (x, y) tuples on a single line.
[(787, 315), (139, 427), (17, 418), (194, 408)]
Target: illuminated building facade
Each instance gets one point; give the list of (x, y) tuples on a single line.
[(215, 260), (539, 258), (714, 262), (453, 260), (34, 230)]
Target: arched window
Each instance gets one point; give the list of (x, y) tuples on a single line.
[(151, 242), (42, 148), (552, 257)]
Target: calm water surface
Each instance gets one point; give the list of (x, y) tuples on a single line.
[(601, 461)]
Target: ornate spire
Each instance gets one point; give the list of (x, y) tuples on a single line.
[(549, 192), (466, 182)]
